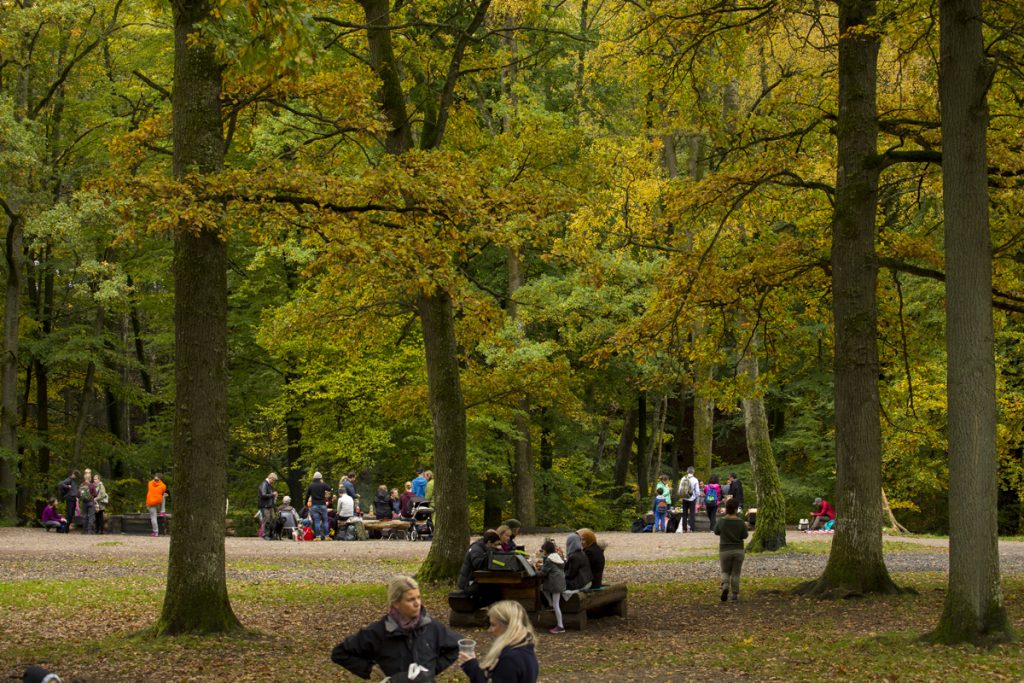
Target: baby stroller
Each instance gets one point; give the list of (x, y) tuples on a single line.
[(422, 521)]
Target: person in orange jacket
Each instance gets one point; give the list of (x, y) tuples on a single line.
[(156, 497)]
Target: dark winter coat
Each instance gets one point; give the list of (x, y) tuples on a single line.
[(68, 489), (265, 495), (736, 491), (577, 571), (515, 665), (429, 644), (382, 505), (595, 554), (475, 560), (553, 573)]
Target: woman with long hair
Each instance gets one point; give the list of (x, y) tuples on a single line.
[(511, 657), (406, 643)]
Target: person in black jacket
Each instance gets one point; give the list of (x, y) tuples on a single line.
[(511, 658), (382, 503), (595, 554), (68, 489), (577, 566), (736, 490), (476, 560), (406, 636)]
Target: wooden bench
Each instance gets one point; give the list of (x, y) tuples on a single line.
[(137, 523), (606, 601)]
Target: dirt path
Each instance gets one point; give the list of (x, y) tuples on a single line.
[(631, 557)]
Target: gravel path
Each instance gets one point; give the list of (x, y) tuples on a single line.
[(638, 558)]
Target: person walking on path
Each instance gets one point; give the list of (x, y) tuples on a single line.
[(87, 503), (511, 657), (156, 495), (68, 489), (407, 643), (316, 501), (731, 531), (712, 499), (267, 497), (689, 488)]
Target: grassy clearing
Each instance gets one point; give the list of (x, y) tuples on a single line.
[(673, 627)]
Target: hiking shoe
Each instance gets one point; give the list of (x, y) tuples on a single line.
[(316, 538), (154, 534), (556, 629), (725, 594), (734, 598)]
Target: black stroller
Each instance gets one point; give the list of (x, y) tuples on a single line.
[(422, 520)]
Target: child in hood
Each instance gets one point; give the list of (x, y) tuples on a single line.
[(552, 570)]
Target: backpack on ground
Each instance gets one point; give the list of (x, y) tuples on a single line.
[(686, 488), (711, 496)]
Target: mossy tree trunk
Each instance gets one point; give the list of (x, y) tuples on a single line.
[(448, 416), (197, 598), (855, 564), (974, 610), (770, 531)]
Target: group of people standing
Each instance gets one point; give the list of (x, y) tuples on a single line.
[(691, 496), (84, 500), (325, 512)]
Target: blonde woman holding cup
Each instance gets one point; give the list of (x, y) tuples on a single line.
[(511, 657)]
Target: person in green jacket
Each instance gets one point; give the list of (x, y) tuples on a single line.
[(731, 530)]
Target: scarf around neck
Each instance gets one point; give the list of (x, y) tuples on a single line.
[(404, 623)]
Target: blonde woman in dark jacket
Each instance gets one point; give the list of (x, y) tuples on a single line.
[(511, 658)]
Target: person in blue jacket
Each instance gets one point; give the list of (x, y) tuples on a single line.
[(511, 657)]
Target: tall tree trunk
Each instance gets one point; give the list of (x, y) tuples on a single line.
[(9, 369), (770, 532), (448, 416), (855, 564), (642, 474), (523, 496), (196, 600), (625, 449), (88, 389), (974, 610)]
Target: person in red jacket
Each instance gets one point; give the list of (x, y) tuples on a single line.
[(823, 512)]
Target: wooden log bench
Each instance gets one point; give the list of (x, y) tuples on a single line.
[(137, 523), (606, 601)]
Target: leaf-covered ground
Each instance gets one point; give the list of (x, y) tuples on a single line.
[(80, 605)]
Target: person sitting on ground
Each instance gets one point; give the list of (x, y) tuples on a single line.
[(595, 554), (552, 572), (511, 657), (52, 519), (476, 560), (407, 644), (577, 567), (382, 503), (822, 514)]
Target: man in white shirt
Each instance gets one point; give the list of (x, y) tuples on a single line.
[(689, 489)]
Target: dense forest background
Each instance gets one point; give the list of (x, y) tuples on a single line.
[(628, 206)]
